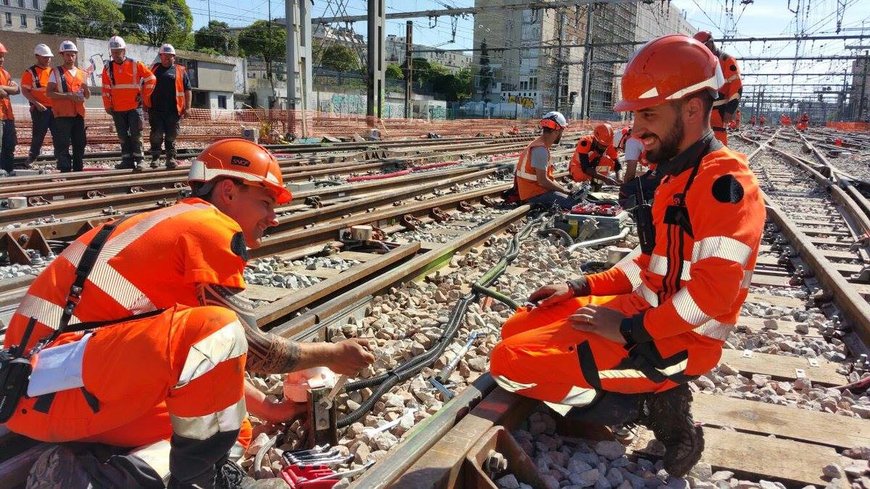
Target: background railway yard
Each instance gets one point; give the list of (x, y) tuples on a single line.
[(787, 406)]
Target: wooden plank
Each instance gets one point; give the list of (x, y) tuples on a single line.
[(778, 325), (264, 293), (783, 421), (783, 367), (774, 300), (770, 280), (787, 460), (358, 256)]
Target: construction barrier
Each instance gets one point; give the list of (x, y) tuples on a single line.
[(850, 126)]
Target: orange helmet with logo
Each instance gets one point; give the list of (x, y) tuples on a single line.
[(603, 133), (653, 78), (243, 160)]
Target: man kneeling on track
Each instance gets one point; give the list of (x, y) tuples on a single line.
[(634, 336), (146, 336), (533, 176)]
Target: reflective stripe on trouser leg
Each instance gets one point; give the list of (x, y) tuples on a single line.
[(556, 363), (207, 404)]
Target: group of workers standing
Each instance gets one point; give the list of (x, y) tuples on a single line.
[(57, 95), (632, 336)]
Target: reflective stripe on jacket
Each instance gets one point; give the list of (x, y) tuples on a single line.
[(526, 177), (126, 85)]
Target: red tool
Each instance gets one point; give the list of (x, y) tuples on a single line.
[(310, 477)]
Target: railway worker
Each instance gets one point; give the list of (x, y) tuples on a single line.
[(34, 81), (595, 158), (533, 175), (762, 120), (127, 83), (68, 89), (803, 122), (730, 92), (658, 320), (8, 137), (752, 121), (168, 104), (169, 335)]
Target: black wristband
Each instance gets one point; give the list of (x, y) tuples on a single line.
[(579, 287)]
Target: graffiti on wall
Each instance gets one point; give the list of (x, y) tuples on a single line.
[(525, 102), (355, 104)]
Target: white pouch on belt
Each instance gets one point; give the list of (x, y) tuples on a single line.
[(58, 368)]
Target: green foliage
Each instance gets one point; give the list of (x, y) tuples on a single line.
[(82, 18), (454, 87), (155, 22), (394, 72), (265, 41), (216, 38), (340, 58)]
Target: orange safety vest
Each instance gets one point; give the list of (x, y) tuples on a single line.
[(126, 85), (69, 83), (604, 162), (526, 178), (5, 104), (35, 79), (693, 284), (179, 86)]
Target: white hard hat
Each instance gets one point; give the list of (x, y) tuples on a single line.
[(167, 49), (553, 119), (117, 42), (67, 46), (42, 50)]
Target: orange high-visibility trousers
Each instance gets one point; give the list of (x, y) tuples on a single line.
[(542, 356), (178, 374)]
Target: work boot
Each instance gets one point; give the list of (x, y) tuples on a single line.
[(668, 415), (124, 166), (28, 163), (155, 163), (171, 164)]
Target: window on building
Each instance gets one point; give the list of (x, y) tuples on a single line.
[(6, 2), (23, 20), (39, 22), (20, 3), (222, 101), (36, 4), (8, 18)]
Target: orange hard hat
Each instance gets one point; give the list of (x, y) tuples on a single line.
[(3, 48), (703, 36), (240, 159), (603, 133), (652, 77)]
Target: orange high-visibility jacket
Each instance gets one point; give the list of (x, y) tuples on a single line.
[(526, 178), (733, 84), (193, 241), (126, 85), (604, 161), (5, 103), (694, 284), (69, 83), (179, 87), (35, 79)]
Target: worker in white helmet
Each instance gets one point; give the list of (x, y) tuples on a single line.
[(169, 103), (34, 81), (127, 83)]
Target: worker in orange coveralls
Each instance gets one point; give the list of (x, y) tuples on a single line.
[(724, 107), (627, 341), (803, 122), (534, 180), (595, 158), (159, 336)]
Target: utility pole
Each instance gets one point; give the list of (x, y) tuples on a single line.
[(587, 63), (864, 62), (375, 83), (560, 26), (298, 15), (409, 66)]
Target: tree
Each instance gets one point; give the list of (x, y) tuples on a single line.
[(155, 22), (339, 57), (394, 72), (82, 18), (485, 71), (216, 38), (267, 41), (453, 87)]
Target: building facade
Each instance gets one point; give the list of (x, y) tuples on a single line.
[(452, 60), (21, 15)]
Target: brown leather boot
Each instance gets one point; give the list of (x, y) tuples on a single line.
[(668, 415)]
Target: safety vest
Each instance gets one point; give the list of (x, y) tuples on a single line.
[(179, 87), (708, 224), (69, 83), (526, 178), (604, 162), (5, 103), (126, 85), (730, 90), (35, 79)]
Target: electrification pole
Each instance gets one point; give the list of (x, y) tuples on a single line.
[(409, 66), (375, 84)]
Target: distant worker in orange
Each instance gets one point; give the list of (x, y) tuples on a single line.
[(127, 83), (595, 158), (138, 355), (8, 136), (34, 81), (725, 106), (763, 120), (803, 122), (68, 90), (533, 175), (752, 121), (622, 345), (784, 120)]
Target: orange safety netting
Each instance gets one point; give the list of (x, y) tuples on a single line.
[(850, 126)]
